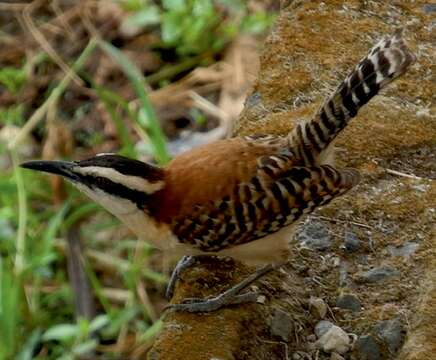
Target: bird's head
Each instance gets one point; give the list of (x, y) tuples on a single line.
[(121, 185)]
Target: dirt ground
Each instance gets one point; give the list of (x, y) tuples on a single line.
[(380, 251)]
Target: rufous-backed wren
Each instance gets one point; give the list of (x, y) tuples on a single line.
[(237, 197)]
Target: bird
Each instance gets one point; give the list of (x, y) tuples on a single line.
[(239, 197)]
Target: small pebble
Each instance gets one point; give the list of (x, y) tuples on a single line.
[(261, 299), (318, 307), (333, 340), (336, 261), (351, 241), (405, 250), (348, 302), (315, 235), (391, 332), (282, 325), (253, 99), (366, 348), (343, 274), (378, 274), (322, 327)]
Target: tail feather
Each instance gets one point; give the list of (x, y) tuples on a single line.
[(387, 60)]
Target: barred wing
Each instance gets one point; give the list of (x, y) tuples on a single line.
[(270, 201)]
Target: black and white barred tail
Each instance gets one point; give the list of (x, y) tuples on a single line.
[(387, 60)]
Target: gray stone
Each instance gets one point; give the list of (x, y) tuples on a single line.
[(343, 274), (367, 348), (378, 274), (407, 249), (282, 325), (334, 339), (348, 302), (322, 327), (391, 332), (315, 235), (253, 99), (351, 241)]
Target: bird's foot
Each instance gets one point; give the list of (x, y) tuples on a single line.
[(196, 305), (183, 264), (229, 297)]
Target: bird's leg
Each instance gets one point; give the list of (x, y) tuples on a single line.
[(184, 263), (229, 297)]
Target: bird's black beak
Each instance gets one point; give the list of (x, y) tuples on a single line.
[(62, 168)]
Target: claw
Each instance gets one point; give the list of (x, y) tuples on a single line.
[(192, 300), (213, 304), (183, 264), (229, 297)]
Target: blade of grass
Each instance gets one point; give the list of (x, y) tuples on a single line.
[(121, 265), (52, 229), (29, 346), (44, 256), (80, 212), (111, 96), (97, 287), (172, 70), (9, 309), (127, 144), (147, 118), (22, 215), (84, 306), (54, 95), (151, 332)]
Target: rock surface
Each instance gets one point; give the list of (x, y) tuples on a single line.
[(391, 332), (282, 325), (366, 348), (332, 338), (315, 235), (348, 302), (377, 274), (322, 327), (351, 241), (311, 48), (405, 250)]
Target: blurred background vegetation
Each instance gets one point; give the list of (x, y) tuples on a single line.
[(147, 79)]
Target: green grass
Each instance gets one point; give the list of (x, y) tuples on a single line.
[(36, 299), (30, 317), (145, 116)]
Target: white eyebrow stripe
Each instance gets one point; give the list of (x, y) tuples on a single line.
[(105, 153), (130, 181)]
